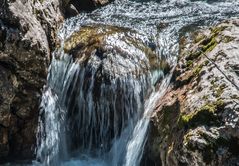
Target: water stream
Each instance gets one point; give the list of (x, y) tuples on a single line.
[(85, 123)]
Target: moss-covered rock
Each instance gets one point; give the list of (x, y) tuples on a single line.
[(202, 126), (99, 41), (205, 115)]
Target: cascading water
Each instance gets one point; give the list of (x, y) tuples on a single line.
[(90, 110), (97, 112)]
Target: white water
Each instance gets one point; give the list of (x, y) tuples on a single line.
[(126, 149), (74, 128), (137, 141), (90, 126)]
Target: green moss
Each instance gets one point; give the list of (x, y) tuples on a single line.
[(219, 104), (207, 44), (212, 46), (206, 115), (193, 55), (212, 43), (189, 63), (216, 30), (186, 118), (202, 117), (197, 70), (206, 62), (220, 90), (91, 36), (208, 108)]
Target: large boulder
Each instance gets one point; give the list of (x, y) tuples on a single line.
[(121, 50), (196, 122), (116, 65)]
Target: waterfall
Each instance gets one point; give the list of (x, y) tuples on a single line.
[(52, 113), (137, 142), (97, 113), (90, 124), (90, 121)]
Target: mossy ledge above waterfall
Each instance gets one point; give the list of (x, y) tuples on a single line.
[(111, 45), (196, 122)]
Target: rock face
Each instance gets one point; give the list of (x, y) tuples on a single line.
[(196, 122), (27, 38), (27, 34)]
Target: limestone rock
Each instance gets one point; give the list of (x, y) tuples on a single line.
[(196, 122), (132, 53), (26, 39)]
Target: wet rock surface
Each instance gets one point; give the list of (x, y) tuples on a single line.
[(120, 51), (24, 57), (196, 122), (27, 38)]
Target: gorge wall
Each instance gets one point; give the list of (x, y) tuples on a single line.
[(196, 122)]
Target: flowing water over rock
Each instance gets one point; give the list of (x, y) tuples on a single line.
[(104, 80)]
